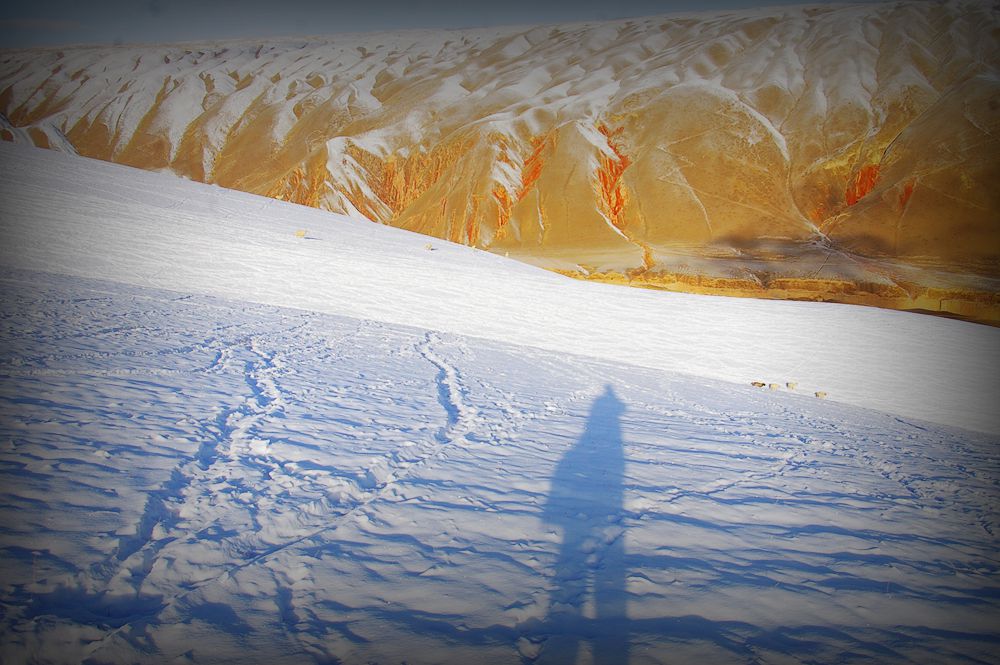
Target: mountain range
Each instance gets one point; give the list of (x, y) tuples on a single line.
[(838, 152)]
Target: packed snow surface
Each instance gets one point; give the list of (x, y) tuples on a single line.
[(238, 430), (92, 219)]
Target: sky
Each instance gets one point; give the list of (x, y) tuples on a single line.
[(63, 22)]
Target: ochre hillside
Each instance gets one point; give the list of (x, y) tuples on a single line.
[(845, 153)]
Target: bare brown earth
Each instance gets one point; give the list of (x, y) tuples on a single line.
[(845, 154)]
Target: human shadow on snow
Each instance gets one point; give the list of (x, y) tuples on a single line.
[(587, 603)]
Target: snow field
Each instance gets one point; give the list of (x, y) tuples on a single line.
[(222, 443), (198, 479), (163, 232)]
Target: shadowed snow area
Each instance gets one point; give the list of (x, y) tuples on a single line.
[(222, 442)]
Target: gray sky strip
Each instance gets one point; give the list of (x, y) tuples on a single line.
[(63, 22)]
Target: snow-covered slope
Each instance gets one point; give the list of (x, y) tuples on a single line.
[(100, 220), (837, 152), (226, 441)]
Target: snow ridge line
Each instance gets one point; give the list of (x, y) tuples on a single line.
[(449, 389), (230, 427), (379, 477), (265, 397), (460, 419), (395, 466), (229, 436), (156, 511), (235, 426)]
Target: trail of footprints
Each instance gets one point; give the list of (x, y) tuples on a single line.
[(182, 512)]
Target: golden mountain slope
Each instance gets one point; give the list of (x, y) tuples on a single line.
[(843, 153)]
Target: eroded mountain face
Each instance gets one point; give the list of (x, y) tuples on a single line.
[(845, 153)]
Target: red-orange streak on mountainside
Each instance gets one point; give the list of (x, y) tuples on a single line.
[(530, 171), (532, 166), (864, 182), (609, 175), (471, 223), (904, 196), (504, 204), (818, 213), (303, 185)]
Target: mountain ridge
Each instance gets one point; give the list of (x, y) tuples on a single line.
[(826, 153)]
